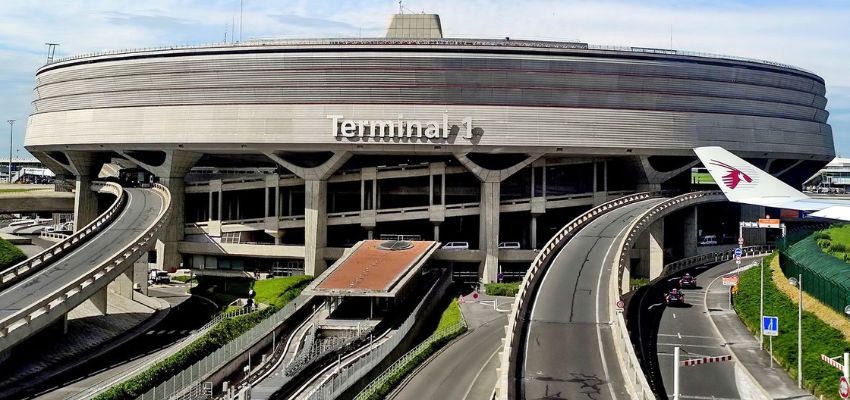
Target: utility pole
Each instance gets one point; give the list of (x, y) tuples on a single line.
[(11, 129), (240, 20)]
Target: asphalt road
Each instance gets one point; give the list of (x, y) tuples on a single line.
[(466, 369), (143, 206), (186, 315), (569, 349), (690, 327)]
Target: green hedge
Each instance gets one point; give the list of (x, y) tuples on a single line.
[(502, 289), (818, 337), (451, 317), (223, 333), (10, 254)]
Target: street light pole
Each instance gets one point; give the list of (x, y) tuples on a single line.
[(800, 333), (761, 304), (11, 130)]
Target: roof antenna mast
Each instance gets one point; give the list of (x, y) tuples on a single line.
[(400, 7)]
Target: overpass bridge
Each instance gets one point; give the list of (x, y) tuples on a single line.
[(36, 201), (41, 290), (565, 338)]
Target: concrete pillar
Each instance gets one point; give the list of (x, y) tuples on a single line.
[(752, 237), (315, 225), (123, 283), (370, 234), (436, 232), (140, 273), (210, 206), (488, 234), (98, 300), (691, 232), (650, 246), (167, 256), (533, 231), (85, 202)]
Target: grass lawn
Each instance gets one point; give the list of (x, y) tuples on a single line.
[(835, 241), (10, 254), (818, 336), (451, 315), (701, 178), (17, 190), (274, 291)]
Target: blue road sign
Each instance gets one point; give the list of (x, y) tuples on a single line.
[(738, 252), (770, 326)]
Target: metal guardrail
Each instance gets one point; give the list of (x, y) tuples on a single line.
[(504, 387), (430, 42), (348, 375), (74, 292), (54, 235), (190, 377), (715, 257), (104, 385), (372, 388), (23, 269), (663, 208)]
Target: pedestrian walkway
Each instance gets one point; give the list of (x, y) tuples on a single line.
[(775, 382)]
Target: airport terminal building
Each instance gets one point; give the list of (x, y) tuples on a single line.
[(282, 153)]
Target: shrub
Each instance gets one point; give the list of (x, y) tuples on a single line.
[(822, 235), (837, 248), (502, 289), (224, 332), (824, 243)]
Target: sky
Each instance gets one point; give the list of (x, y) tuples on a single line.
[(810, 34)]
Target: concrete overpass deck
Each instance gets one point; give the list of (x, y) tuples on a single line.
[(144, 208), (39, 200)]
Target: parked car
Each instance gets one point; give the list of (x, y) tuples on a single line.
[(456, 246), (509, 245), (162, 277)]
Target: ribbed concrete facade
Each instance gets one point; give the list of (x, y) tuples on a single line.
[(519, 96)]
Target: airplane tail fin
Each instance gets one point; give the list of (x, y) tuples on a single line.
[(742, 182)]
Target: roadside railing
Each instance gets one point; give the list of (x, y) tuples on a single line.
[(23, 269), (661, 209), (348, 375), (715, 257), (373, 387), (61, 300), (505, 386), (190, 377)]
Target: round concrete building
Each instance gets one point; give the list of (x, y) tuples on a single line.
[(281, 153)]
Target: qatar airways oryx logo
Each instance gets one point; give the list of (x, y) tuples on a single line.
[(734, 176)]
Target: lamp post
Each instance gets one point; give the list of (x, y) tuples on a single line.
[(11, 126), (798, 282)]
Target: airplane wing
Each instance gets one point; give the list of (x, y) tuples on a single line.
[(742, 182)]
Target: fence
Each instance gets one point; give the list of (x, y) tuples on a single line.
[(190, 377), (715, 257), (825, 277), (373, 389), (348, 375)]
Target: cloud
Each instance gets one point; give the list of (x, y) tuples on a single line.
[(809, 34)]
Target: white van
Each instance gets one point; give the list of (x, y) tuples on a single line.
[(708, 240), (456, 246)]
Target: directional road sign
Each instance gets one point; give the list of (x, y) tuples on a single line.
[(770, 326), (730, 280), (739, 252)]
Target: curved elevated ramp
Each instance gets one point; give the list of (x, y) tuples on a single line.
[(44, 296), (569, 351)]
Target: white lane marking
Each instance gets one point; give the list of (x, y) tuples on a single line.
[(654, 305), (598, 328), (687, 336), (478, 374), (679, 334), (674, 315)]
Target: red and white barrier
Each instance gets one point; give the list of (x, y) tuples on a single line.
[(705, 360)]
